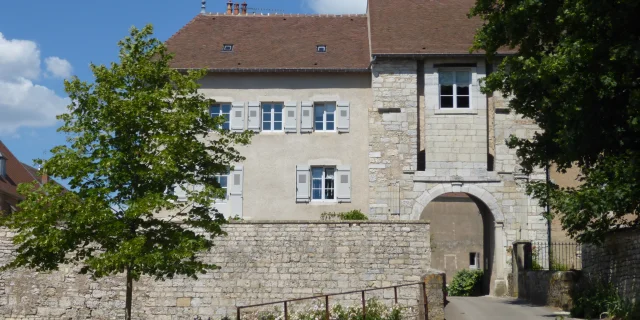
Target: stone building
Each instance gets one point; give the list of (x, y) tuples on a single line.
[(380, 112)]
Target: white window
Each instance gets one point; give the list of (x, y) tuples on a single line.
[(321, 48), (223, 180), (323, 183), (227, 47), (474, 260), (455, 90), (222, 110), (325, 116), (272, 116)]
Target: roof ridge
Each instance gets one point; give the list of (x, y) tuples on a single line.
[(307, 15)]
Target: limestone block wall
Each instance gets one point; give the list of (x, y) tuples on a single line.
[(260, 262), (616, 261), (393, 138), (548, 288)]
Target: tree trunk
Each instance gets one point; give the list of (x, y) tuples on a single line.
[(127, 307)]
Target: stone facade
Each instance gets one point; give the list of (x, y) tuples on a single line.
[(548, 288), (617, 261), (464, 150), (260, 262)]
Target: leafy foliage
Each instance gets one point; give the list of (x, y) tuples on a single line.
[(132, 135), (591, 299), (353, 215), (376, 310), (576, 73), (466, 283)]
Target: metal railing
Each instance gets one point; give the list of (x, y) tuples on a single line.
[(327, 312), (557, 256)]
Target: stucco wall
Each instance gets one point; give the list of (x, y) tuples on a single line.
[(456, 231), (617, 261), (260, 262), (270, 169)]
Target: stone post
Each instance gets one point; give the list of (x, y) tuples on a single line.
[(521, 260), (435, 286)]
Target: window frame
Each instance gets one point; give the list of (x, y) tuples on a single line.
[(476, 260), (323, 187), (454, 94), (324, 116), (222, 113), (272, 122)]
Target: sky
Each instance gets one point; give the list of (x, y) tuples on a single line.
[(43, 42)]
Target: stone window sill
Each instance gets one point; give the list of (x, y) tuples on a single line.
[(456, 111)]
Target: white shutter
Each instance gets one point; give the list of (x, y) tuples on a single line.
[(234, 184), (180, 193), (253, 116), (290, 119), (303, 183), (343, 116), (343, 183), (306, 117), (237, 116)]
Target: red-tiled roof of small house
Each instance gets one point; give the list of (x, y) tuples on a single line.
[(16, 173)]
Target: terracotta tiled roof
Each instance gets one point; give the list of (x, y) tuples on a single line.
[(263, 42), (422, 26), (16, 173)]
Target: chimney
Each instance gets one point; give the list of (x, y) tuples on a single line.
[(203, 8), (236, 9), (45, 178), (229, 7), (244, 8)]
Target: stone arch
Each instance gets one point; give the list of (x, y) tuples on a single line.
[(497, 282), (485, 196)]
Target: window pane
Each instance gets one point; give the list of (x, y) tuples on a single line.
[(225, 126), (317, 184), (317, 194), (446, 102), (446, 90), (266, 117), (463, 91), (445, 77), (277, 126), (277, 108), (223, 181), (330, 126), (316, 173), (226, 108), (330, 116), (463, 102), (266, 108), (266, 125), (463, 77), (277, 116), (215, 110), (319, 125)]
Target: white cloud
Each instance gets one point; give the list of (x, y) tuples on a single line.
[(24, 103), (57, 67), (338, 6)]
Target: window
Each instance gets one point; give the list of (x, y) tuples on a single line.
[(272, 116), (454, 89), (223, 180), (323, 187), (474, 260), (227, 47), (222, 110), (321, 48), (325, 116)]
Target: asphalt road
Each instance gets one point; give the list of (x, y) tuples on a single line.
[(481, 308)]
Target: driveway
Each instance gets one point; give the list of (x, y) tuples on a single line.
[(481, 308)]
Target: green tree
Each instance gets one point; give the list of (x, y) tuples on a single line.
[(576, 72), (133, 135)]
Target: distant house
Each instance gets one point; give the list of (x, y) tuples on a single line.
[(12, 173)]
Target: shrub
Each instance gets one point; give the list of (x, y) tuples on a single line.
[(353, 215), (466, 283), (376, 310), (591, 299)]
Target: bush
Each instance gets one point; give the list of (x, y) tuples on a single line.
[(591, 299), (376, 310), (353, 215), (466, 283)]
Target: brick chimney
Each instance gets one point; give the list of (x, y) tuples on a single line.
[(229, 7), (236, 9), (244, 8)]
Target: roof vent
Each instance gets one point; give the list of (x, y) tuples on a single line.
[(227, 48), (3, 166), (321, 48)]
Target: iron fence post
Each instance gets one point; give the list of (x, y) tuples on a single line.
[(426, 305), (238, 314), (395, 294), (326, 307), (286, 311), (364, 307)]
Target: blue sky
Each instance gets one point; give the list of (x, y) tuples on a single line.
[(43, 41)]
